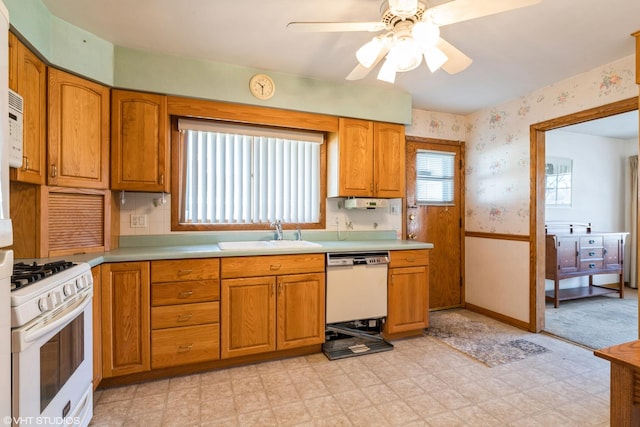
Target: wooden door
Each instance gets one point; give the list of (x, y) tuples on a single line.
[(440, 224), (301, 310), (389, 165), (248, 322), (356, 158), (139, 142), (126, 324), (408, 299), (30, 81), (79, 136)]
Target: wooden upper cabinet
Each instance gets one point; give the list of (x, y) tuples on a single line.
[(28, 77), (78, 143), (366, 160), (389, 160), (139, 142)]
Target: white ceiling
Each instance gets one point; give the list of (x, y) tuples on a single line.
[(620, 126), (513, 52)]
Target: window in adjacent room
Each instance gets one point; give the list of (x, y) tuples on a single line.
[(435, 173), (242, 176), (558, 181)]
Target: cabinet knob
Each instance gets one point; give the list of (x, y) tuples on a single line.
[(184, 317), (54, 171), (411, 236), (25, 161), (183, 348), (185, 294), (161, 179), (274, 267)]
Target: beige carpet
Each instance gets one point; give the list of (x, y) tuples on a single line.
[(596, 322)]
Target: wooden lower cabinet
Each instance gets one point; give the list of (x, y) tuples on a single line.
[(96, 273), (125, 318), (185, 312), (408, 292), (269, 312)]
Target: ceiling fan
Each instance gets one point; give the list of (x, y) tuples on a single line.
[(411, 32)]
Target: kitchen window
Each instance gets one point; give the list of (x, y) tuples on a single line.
[(435, 173), (242, 176)]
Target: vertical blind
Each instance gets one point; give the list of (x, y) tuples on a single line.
[(244, 175), (435, 172)]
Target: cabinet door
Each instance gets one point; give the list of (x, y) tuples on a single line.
[(248, 322), (567, 251), (389, 165), (78, 144), (96, 273), (30, 81), (126, 328), (139, 142), (613, 251), (408, 299), (356, 158), (301, 310)]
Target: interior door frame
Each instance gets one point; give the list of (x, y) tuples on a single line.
[(537, 186)]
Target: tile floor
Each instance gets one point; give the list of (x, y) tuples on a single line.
[(422, 382)]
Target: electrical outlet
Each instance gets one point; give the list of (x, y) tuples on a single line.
[(337, 221), (138, 221)]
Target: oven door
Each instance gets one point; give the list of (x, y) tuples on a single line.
[(52, 367)]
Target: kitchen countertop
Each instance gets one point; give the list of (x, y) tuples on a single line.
[(180, 247)]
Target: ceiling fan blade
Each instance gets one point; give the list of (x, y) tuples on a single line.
[(336, 26), (360, 71), (457, 62), (464, 10)]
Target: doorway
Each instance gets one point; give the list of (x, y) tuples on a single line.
[(537, 217), (437, 217)]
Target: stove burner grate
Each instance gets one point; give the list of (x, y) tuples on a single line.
[(26, 274)]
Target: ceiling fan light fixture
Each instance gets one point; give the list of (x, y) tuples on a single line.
[(369, 52), (403, 8), (435, 58), (426, 33), (406, 54), (387, 72)]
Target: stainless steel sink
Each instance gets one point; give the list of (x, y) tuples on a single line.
[(255, 245)]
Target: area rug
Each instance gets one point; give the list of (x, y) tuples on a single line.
[(596, 322), (487, 344)]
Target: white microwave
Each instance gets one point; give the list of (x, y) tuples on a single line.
[(16, 108)]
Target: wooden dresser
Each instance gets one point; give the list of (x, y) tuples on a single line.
[(575, 254)]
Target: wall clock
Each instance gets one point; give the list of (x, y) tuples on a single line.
[(262, 86)]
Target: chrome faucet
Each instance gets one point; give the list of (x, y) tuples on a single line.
[(278, 226)]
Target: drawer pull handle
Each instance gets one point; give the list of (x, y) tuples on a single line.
[(184, 317), (184, 348), (185, 294), (183, 272), (592, 266), (592, 253), (275, 266), (591, 241), (411, 259)]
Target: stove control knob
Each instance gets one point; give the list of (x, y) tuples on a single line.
[(80, 283), (45, 303), (69, 289)]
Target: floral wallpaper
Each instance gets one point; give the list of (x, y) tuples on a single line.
[(497, 141)]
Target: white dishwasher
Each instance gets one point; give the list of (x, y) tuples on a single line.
[(356, 286), (356, 303)]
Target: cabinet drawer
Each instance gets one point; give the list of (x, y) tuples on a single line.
[(180, 346), (271, 265), (409, 258), (184, 269), (171, 316), (185, 292), (591, 253), (594, 264), (590, 241)]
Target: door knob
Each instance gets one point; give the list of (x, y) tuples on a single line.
[(411, 236)]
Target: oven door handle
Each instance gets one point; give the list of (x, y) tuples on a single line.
[(41, 329)]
